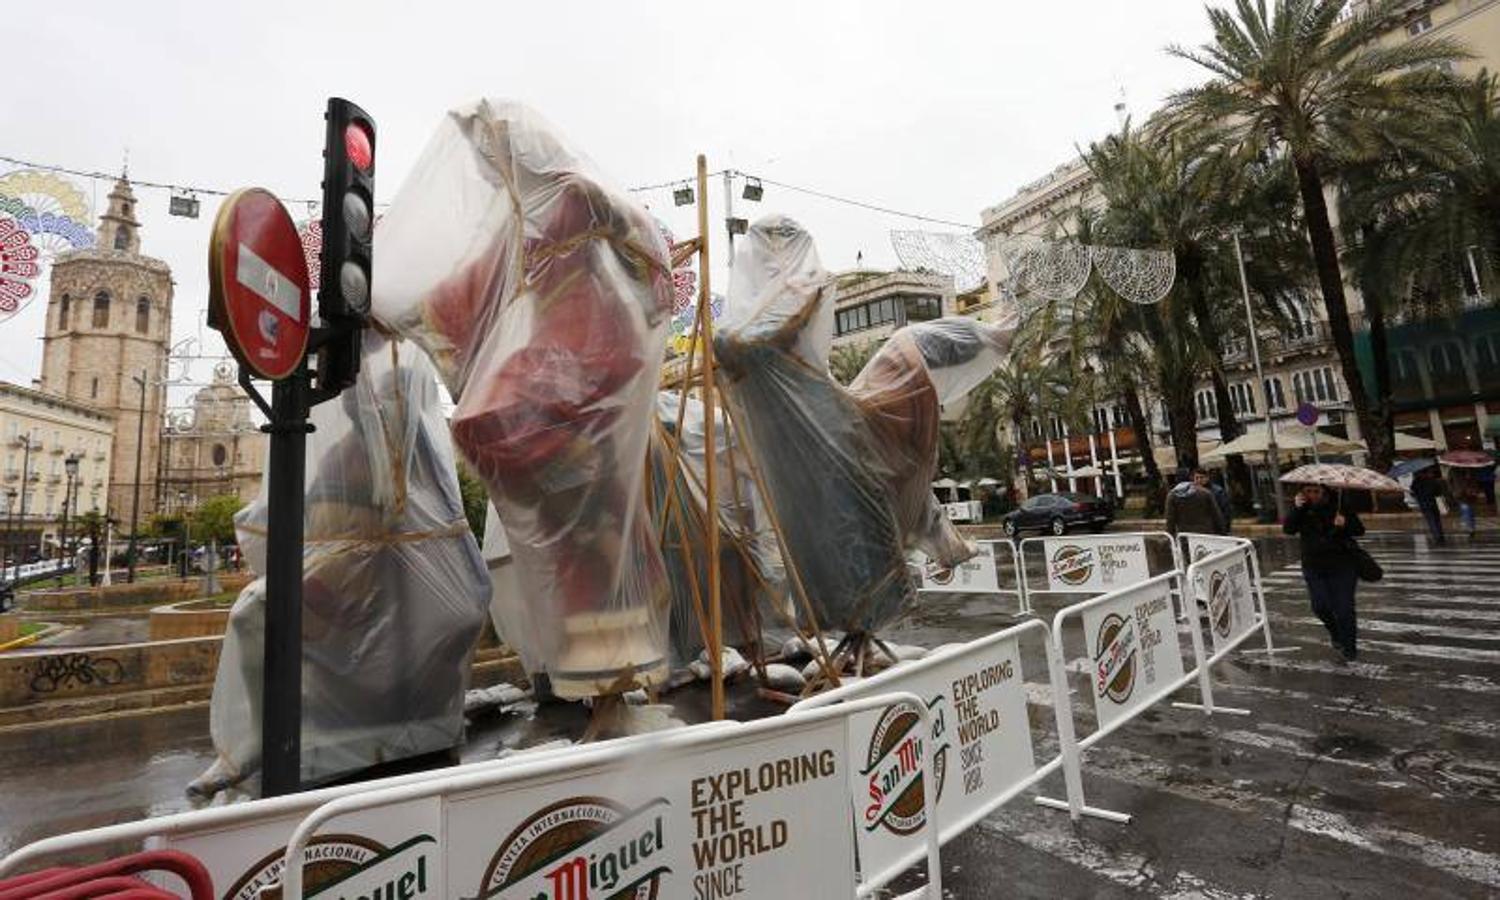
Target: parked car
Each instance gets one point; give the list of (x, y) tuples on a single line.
[(1057, 513)]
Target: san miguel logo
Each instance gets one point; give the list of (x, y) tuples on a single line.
[(936, 574), (1218, 603), (348, 866), (893, 769), (1114, 664), (1073, 565), (582, 848)]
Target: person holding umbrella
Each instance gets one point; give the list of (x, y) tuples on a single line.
[(1466, 466), (1329, 564), (1427, 487), (1332, 562)]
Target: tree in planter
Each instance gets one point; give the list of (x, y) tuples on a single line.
[(476, 500), (213, 519), (1292, 76), (846, 361)]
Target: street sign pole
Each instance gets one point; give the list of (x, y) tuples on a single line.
[(281, 705)]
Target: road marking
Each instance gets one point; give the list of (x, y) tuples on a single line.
[(1383, 626)]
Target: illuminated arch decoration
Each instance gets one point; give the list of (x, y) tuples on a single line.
[(311, 233), (20, 266), (960, 256), (1140, 276), (52, 209), (1049, 270)]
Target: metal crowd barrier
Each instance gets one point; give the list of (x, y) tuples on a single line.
[(976, 695), (608, 819), (1094, 563), (235, 840), (996, 564)]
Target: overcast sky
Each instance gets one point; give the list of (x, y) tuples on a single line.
[(934, 108)]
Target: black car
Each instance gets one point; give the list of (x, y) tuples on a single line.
[(1057, 513)]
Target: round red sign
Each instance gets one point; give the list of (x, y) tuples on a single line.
[(258, 285)]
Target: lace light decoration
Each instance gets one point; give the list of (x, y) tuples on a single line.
[(1140, 276), (959, 256)]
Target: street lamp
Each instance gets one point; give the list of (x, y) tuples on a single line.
[(142, 380), (10, 530), (182, 552), (25, 440), (1260, 376), (70, 465)]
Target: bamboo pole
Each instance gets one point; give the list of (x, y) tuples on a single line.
[(706, 334)]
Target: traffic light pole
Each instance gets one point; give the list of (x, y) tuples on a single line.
[(281, 702)]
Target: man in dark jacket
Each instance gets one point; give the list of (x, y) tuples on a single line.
[(1427, 487), (1192, 508), (1329, 565)]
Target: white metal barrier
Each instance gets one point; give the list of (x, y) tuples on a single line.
[(976, 695), (1135, 661), (242, 843), (1196, 547), (1094, 563), (754, 810), (981, 574)]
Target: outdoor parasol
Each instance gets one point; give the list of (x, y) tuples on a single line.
[(1467, 459), (1354, 478)]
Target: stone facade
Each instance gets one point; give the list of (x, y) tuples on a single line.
[(108, 327), (216, 449), (56, 429)]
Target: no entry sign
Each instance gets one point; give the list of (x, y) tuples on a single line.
[(258, 285)]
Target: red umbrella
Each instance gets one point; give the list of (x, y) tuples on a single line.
[(1467, 459)]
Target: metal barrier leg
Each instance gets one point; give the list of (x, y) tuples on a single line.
[(1062, 709), (1205, 680), (1265, 613)]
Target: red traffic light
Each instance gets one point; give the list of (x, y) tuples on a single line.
[(358, 147)]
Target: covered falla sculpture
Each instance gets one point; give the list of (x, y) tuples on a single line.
[(543, 295), (848, 471)]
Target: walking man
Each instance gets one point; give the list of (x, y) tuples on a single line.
[(1191, 507), (1427, 488), (1329, 565)]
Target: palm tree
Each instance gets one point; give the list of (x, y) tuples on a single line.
[(1300, 78), (846, 361)]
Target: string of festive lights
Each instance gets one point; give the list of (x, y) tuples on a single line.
[(645, 188)]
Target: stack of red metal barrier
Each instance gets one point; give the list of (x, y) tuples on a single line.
[(114, 879)]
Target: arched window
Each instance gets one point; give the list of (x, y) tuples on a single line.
[(220, 455), (62, 311), (101, 309), (143, 315), (122, 239)]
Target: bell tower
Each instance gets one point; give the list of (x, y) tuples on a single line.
[(109, 323)]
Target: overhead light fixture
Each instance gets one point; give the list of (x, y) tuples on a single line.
[(737, 226), (683, 196), (753, 189), (183, 203)]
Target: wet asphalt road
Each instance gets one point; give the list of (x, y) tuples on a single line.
[(1377, 779)]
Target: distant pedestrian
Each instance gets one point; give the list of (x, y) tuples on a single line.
[(1221, 497), (1191, 507), (1427, 488), (1329, 563), (1466, 494)]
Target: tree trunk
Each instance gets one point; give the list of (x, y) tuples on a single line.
[(1183, 419), (1330, 280), (1191, 271), (1155, 492), (1382, 440)]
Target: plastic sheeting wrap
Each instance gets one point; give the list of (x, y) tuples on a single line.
[(750, 588), (544, 295), (393, 587), (847, 470), (902, 390)]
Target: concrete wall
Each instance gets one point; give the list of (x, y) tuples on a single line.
[(183, 620), (66, 673), (142, 593)]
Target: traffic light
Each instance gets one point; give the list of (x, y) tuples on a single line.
[(348, 228)]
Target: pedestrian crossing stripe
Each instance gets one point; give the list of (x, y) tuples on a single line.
[(1385, 626)]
